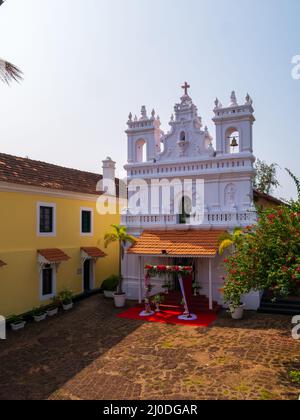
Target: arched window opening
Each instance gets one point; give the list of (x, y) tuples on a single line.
[(182, 136), (141, 151), (185, 210), (232, 141)]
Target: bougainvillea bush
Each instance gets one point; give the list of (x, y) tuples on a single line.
[(268, 257)]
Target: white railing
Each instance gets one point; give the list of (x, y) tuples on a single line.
[(244, 218)]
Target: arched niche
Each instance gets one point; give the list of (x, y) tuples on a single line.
[(230, 193)]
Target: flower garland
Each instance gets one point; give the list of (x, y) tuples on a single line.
[(158, 270)]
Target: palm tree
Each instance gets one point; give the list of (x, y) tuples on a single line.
[(120, 235), (230, 240), (8, 71)]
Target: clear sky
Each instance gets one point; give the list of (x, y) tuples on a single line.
[(88, 63)]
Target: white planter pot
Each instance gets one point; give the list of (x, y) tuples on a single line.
[(52, 312), (40, 318), (237, 313), (19, 326), (108, 294), (120, 300), (68, 307)]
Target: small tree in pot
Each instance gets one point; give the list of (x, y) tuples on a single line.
[(109, 286), (119, 235), (66, 299)]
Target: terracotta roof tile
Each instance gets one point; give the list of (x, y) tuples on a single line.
[(198, 243), (33, 173), (94, 252), (53, 255), (258, 195), (2, 264)]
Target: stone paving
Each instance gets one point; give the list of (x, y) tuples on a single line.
[(89, 353)]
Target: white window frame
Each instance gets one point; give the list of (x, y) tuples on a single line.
[(90, 234), (53, 294), (50, 234)]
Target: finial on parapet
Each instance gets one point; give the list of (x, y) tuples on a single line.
[(153, 114), (218, 104), (130, 117), (233, 100), (249, 100), (144, 113)]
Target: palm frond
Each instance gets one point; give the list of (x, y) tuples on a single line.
[(109, 238), (9, 72), (237, 233), (225, 236), (227, 243)]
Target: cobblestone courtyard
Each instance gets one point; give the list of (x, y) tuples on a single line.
[(91, 354)]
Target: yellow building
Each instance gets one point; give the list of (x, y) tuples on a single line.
[(51, 235)]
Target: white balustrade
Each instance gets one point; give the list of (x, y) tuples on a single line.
[(230, 219)]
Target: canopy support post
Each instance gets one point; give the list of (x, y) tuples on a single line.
[(141, 278), (210, 286)]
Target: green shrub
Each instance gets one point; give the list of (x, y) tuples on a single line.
[(65, 297), (111, 283), (38, 311), (15, 319), (267, 257)]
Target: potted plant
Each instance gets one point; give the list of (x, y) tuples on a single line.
[(119, 235), (237, 310), (66, 299), (157, 300), (52, 310), (109, 286), (39, 314), (232, 296), (16, 322)]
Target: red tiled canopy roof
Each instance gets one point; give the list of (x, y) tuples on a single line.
[(53, 255), (2, 264), (33, 173), (94, 252), (191, 243)]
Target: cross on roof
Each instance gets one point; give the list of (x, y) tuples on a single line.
[(186, 86)]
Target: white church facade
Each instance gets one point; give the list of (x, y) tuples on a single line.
[(170, 235)]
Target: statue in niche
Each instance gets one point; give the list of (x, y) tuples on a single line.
[(230, 194)]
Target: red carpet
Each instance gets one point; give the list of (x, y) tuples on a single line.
[(169, 317)]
